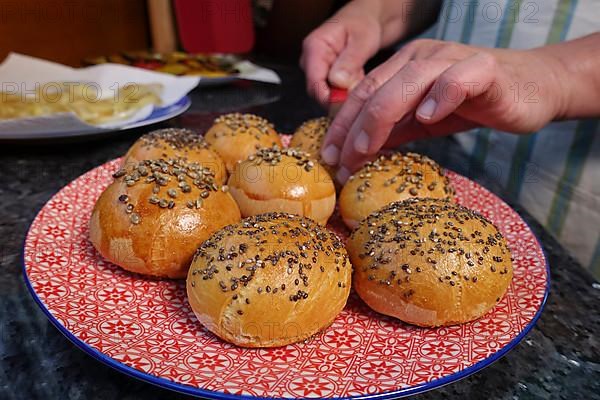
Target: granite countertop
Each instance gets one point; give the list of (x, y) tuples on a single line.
[(559, 358)]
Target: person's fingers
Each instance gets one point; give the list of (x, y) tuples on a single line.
[(319, 51), (336, 135), (398, 97), (347, 70), (464, 80), (427, 48), (316, 60), (409, 129)]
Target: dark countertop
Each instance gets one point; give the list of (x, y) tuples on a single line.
[(559, 358)]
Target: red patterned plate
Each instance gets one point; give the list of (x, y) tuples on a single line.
[(146, 329)]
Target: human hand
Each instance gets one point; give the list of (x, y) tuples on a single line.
[(336, 51), (433, 88)]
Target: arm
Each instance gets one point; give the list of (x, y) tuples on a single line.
[(401, 19), (433, 88), (577, 73)]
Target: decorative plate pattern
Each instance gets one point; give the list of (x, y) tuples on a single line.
[(145, 328)]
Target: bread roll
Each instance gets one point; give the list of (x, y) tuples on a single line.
[(155, 214), (391, 178), (176, 143), (270, 280), (309, 138), (285, 181), (236, 136), (429, 262)]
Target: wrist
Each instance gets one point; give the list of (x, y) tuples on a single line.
[(363, 8), (391, 16), (555, 84), (574, 69), (363, 14)]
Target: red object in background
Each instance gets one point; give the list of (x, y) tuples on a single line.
[(148, 64), (215, 26)]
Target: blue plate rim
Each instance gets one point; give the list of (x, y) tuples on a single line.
[(209, 394), (158, 115), (161, 114)]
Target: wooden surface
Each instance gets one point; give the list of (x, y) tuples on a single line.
[(68, 31), (162, 26)]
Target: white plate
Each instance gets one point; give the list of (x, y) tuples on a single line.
[(158, 115)]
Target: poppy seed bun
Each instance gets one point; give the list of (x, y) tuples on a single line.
[(309, 138), (176, 143), (154, 215), (285, 181), (236, 136), (269, 280), (429, 262), (391, 178)]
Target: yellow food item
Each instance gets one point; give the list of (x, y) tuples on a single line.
[(175, 69), (176, 63), (86, 100)]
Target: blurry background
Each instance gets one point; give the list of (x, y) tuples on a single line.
[(68, 31)]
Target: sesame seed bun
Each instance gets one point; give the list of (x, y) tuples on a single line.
[(309, 138), (429, 262), (285, 181), (154, 216), (391, 178), (176, 143), (236, 136), (270, 280)]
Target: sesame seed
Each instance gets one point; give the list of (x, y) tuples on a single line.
[(135, 218)]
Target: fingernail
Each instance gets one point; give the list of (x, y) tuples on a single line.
[(342, 175), (427, 109), (331, 154), (340, 77), (361, 144)]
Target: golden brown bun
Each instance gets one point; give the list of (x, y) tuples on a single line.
[(269, 280), (153, 217), (391, 178), (176, 143), (285, 181), (429, 262), (236, 136), (309, 138)]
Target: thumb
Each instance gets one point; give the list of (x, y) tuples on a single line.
[(347, 70)]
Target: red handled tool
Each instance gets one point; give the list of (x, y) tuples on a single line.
[(337, 97)]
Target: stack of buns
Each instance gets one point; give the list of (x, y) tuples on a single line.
[(414, 254)]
